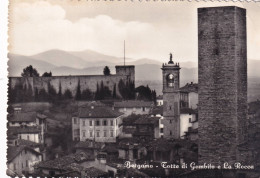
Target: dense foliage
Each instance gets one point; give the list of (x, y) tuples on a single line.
[(29, 71)]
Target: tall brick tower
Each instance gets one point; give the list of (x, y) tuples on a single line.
[(222, 83), (171, 99)]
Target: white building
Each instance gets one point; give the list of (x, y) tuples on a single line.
[(188, 121), (98, 123), (21, 159)]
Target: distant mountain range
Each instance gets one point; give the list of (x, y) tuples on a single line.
[(90, 63)]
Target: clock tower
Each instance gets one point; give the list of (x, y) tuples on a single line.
[(171, 99)]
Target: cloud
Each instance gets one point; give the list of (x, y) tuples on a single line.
[(41, 26)]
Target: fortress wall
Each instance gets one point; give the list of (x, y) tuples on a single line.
[(70, 82)]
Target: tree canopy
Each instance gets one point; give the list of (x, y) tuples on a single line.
[(47, 74), (106, 70), (29, 71)]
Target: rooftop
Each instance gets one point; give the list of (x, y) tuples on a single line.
[(157, 110), (132, 104), (147, 120), (62, 162), (27, 143), (190, 87), (98, 112), (17, 130), (89, 144), (13, 151), (25, 116)]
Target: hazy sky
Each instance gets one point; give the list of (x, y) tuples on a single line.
[(151, 29)]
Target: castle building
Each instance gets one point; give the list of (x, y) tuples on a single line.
[(72, 82), (171, 99), (222, 107)]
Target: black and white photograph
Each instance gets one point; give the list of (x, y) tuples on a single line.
[(130, 89)]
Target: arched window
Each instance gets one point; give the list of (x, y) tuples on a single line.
[(170, 80)]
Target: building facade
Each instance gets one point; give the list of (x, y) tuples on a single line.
[(98, 123), (222, 83), (171, 99)]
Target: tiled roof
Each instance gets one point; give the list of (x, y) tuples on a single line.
[(13, 151), (190, 87), (23, 117), (110, 148), (98, 112), (188, 111), (163, 144), (94, 172), (127, 143), (157, 110), (127, 130), (89, 144), (148, 120), (17, 130), (27, 143), (62, 162), (132, 104)]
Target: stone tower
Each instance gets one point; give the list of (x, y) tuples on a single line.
[(171, 99), (126, 70), (222, 83)]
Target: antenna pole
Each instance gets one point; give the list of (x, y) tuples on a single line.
[(124, 52)]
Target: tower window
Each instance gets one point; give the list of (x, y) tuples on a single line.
[(170, 132), (170, 121), (170, 80), (170, 108)]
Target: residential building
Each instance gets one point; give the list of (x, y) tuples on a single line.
[(32, 133), (147, 127), (189, 95), (133, 107), (188, 120), (131, 149), (98, 123), (21, 159)]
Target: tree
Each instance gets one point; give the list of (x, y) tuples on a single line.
[(43, 96), (29, 71), (86, 95), (78, 93), (106, 70), (51, 92), (145, 93), (126, 90), (114, 91), (60, 93), (67, 94), (46, 74), (97, 97)]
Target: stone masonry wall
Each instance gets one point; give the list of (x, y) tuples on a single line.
[(71, 82), (222, 82)]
